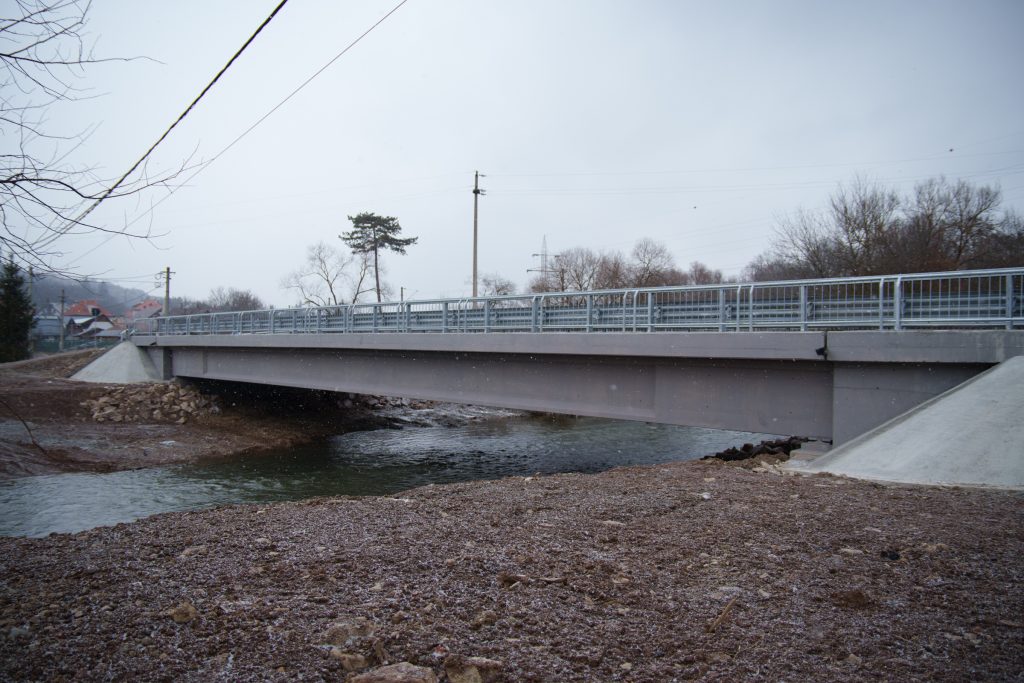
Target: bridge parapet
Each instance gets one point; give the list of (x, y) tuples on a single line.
[(960, 299)]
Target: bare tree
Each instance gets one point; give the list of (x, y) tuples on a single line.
[(496, 285), (651, 264), (870, 230), (44, 198), (700, 274), (232, 299), (330, 276)]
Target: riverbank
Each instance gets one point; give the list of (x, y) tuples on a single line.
[(51, 424), (656, 573)]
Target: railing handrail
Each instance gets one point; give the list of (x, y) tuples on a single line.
[(739, 305)]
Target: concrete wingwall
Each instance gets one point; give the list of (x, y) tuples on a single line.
[(833, 385)]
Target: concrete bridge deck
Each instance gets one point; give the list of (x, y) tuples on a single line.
[(829, 385)]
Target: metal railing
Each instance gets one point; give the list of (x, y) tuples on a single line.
[(960, 299)]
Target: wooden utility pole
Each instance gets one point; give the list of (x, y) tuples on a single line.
[(60, 346), (167, 291), (476, 197)]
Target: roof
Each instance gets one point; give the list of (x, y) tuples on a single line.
[(144, 309), (86, 307)]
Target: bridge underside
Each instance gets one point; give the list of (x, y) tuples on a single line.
[(777, 383)]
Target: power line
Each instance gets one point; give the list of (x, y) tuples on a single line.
[(178, 120), (248, 130), (273, 109)]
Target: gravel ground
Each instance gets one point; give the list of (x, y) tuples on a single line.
[(669, 572), (46, 425)]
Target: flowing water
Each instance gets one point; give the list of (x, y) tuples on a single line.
[(376, 462)]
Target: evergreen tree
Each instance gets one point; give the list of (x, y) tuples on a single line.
[(371, 233), (17, 316)]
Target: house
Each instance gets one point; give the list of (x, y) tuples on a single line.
[(86, 318), (150, 308)]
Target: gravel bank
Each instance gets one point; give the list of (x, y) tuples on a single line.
[(669, 572)]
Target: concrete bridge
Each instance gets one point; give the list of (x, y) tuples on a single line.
[(767, 357)]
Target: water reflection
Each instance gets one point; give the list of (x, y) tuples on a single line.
[(361, 463)]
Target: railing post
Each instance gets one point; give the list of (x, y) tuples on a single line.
[(897, 303), (487, 315), (650, 311), (803, 308), (625, 295), (721, 309), (444, 316), (1009, 301), (590, 312), (750, 309), (881, 303)]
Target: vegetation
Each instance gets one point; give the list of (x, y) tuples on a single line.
[(330, 276), (372, 234), (17, 315), (43, 197), (220, 299), (868, 229), (649, 264)]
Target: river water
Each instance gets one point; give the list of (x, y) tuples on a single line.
[(375, 462)]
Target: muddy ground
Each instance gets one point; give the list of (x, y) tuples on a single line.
[(45, 428)]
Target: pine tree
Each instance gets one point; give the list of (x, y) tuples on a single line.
[(17, 316), (372, 233)]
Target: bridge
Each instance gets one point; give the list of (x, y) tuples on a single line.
[(829, 358)]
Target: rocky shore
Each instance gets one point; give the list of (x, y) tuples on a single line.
[(698, 570), (50, 424)]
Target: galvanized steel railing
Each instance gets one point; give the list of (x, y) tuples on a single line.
[(961, 299)]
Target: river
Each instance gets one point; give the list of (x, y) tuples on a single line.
[(378, 462)]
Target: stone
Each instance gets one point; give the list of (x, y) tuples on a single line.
[(403, 672), (349, 630), (349, 661), (183, 613), (485, 618), (17, 632), (461, 669)]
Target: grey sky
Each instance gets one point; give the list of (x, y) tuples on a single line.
[(596, 122)]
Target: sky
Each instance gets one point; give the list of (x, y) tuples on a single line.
[(596, 123)]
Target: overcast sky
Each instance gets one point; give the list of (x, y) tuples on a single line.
[(596, 123)]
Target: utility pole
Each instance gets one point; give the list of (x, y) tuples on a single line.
[(60, 347), (476, 197), (166, 275), (31, 301)]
